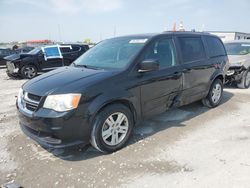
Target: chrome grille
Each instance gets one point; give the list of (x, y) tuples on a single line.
[(30, 101)]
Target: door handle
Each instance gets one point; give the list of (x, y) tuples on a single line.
[(176, 75), (186, 70)]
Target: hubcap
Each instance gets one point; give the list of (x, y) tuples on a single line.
[(216, 93), (115, 128), (29, 72)]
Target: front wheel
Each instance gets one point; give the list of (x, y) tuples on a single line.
[(112, 128), (28, 71), (214, 96), (245, 81)]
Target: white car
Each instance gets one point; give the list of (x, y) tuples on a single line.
[(239, 63)]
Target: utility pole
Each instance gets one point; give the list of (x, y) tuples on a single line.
[(59, 33), (114, 31)]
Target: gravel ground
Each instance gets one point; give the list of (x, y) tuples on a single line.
[(192, 146)]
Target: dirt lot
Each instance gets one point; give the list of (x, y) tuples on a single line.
[(188, 147)]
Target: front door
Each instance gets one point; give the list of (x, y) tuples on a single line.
[(159, 88), (51, 64)]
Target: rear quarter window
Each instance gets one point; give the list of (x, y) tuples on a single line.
[(76, 48), (192, 49), (65, 50), (215, 47)]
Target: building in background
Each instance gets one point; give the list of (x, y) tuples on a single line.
[(231, 35)]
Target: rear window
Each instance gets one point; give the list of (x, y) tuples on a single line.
[(192, 49), (215, 47)]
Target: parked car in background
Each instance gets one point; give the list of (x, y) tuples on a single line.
[(117, 84), (4, 53), (8, 53), (28, 65), (239, 61)]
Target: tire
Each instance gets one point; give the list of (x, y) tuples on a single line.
[(245, 81), (214, 96), (28, 71), (108, 137)]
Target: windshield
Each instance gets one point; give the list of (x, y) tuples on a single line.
[(112, 53), (34, 51), (237, 48)]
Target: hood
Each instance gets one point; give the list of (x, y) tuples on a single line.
[(235, 60), (64, 80), (14, 57)]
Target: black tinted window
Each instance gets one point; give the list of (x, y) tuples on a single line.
[(65, 49), (163, 51), (215, 47), (75, 48), (192, 49)]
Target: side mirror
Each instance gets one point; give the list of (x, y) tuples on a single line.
[(149, 65)]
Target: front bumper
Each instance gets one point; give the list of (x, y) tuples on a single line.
[(55, 130), (234, 74), (12, 69)]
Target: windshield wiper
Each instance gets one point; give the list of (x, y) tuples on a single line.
[(88, 67)]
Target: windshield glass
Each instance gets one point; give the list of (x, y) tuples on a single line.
[(34, 51), (112, 53), (237, 48)]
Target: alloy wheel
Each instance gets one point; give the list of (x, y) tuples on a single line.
[(29, 72), (115, 129), (216, 93)]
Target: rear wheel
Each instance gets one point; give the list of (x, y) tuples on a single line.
[(112, 128), (245, 81), (214, 96)]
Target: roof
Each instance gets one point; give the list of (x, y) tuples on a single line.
[(150, 35)]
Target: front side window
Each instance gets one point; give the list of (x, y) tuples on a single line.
[(237, 48), (112, 53), (163, 51), (192, 49)]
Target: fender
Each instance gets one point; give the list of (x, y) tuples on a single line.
[(130, 99), (215, 75)]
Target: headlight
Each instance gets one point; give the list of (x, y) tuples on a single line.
[(238, 63), (62, 103), (20, 95)]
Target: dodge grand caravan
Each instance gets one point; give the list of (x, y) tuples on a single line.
[(118, 83)]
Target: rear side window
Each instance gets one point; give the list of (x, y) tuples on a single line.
[(76, 48), (215, 47), (65, 49), (192, 49)]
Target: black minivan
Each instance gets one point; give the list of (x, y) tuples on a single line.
[(117, 84)]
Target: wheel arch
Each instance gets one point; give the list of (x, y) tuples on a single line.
[(123, 101), (220, 76), (216, 75), (29, 63)]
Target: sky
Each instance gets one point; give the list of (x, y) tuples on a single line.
[(76, 20)]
